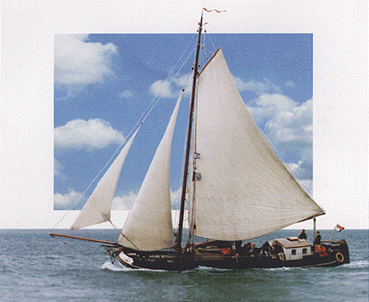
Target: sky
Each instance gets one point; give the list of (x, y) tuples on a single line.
[(103, 84), (70, 98)]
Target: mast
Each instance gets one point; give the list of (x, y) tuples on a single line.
[(188, 144)]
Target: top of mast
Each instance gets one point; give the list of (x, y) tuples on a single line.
[(188, 144)]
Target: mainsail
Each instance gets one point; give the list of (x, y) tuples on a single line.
[(245, 191), (149, 224), (98, 207)]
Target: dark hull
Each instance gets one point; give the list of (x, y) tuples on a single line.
[(336, 254), (169, 261)]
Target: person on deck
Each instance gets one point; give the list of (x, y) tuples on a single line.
[(266, 248), (318, 238), (278, 248), (248, 248), (238, 245), (302, 234)]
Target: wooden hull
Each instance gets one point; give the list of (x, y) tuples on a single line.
[(169, 261), (336, 254)]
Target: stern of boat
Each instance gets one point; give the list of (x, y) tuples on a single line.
[(339, 249)]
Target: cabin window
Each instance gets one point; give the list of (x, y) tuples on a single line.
[(304, 251), (293, 252)]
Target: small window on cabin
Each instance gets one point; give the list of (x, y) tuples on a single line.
[(304, 251), (293, 252)]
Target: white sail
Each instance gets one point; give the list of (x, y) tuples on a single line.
[(98, 207), (149, 223), (245, 191)]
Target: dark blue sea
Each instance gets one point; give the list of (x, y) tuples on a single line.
[(36, 267)]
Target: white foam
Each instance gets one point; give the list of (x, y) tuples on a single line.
[(118, 267), (114, 267), (358, 264)]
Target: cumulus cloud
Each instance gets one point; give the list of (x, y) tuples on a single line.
[(290, 84), (66, 201), (292, 124), (88, 135), (166, 88), (78, 62), (183, 81), (121, 202), (301, 169), (126, 94), (170, 89), (289, 127), (125, 201), (162, 88), (267, 106), (58, 167), (176, 199), (284, 119), (257, 87)]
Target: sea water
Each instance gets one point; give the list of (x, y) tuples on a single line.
[(36, 267)]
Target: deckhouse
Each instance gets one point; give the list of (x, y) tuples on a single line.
[(294, 248)]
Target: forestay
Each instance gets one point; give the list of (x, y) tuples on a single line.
[(245, 191), (149, 223), (98, 207)]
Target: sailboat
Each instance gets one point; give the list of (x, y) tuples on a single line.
[(235, 185)]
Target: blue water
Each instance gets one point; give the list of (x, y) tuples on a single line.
[(36, 267)]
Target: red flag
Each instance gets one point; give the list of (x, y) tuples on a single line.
[(338, 228), (210, 10)]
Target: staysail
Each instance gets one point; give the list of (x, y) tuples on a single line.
[(245, 191), (149, 224), (98, 207)]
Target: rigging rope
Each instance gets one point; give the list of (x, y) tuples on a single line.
[(78, 250)]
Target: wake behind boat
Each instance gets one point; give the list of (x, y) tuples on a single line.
[(237, 190)]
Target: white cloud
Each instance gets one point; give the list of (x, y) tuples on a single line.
[(126, 94), (162, 88), (170, 89), (66, 201), (284, 119), (292, 123), (294, 166), (78, 63), (184, 81), (267, 106), (257, 87), (124, 201), (81, 134), (288, 126), (58, 167), (300, 170), (176, 198), (290, 84)]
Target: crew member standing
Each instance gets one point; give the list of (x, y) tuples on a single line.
[(302, 234), (318, 238)]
